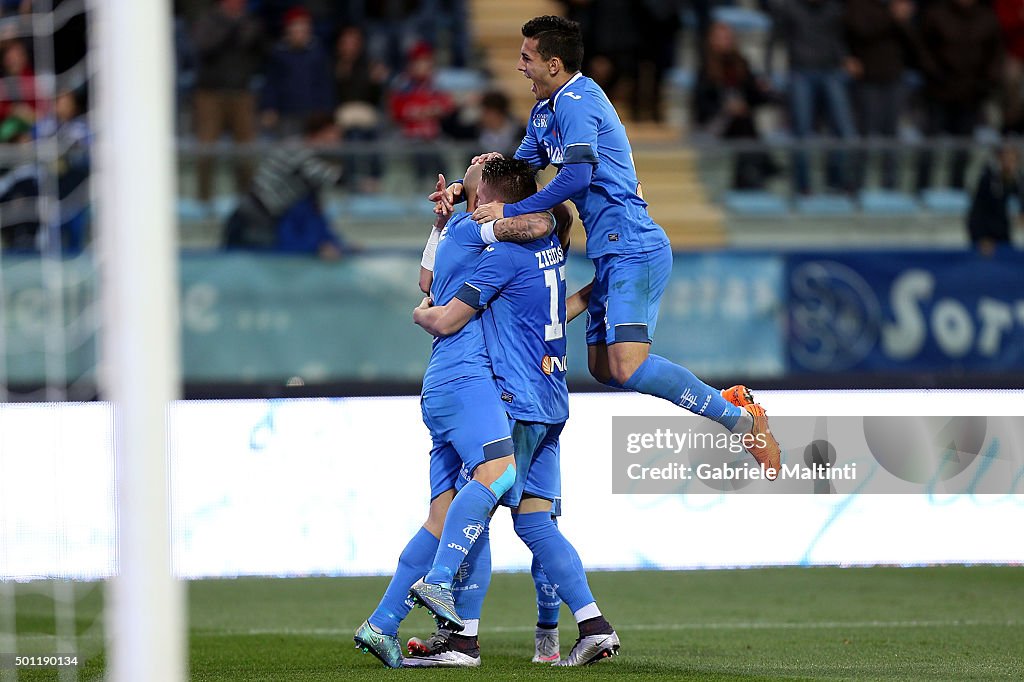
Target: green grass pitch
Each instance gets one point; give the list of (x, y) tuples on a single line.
[(945, 623)]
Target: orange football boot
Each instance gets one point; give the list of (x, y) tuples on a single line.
[(739, 395)]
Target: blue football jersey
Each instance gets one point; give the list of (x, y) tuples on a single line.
[(462, 354), (579, 125), (522, 287)]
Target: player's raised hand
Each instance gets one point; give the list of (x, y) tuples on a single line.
[(492, 211), (444, 197), (484, 158)]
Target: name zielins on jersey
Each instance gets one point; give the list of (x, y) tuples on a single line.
[(549, 257)]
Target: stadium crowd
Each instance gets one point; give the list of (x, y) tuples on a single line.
[(889, 71)]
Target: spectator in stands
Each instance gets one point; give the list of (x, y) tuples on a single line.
[(418, 109), (819, 67), (281, 211), (661, 21), (229, 45), (298, 79), (877, 34), (19, 189), (612, 40), (18, 91), (960, 51), (359, 90), (392, 27), (989, 220), (725, 98), (1011, 20), (74, 138), (499, 130)]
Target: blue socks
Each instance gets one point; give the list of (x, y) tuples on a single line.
[(559, 558), (462, 527), (548, 602), (473, 578), (676, 384), (412, 565)]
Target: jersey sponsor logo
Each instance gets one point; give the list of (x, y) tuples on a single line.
[(550, 364), (573, 95), (489, 248), (540, 121)]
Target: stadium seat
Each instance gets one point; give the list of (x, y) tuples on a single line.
[(190, 209), (460, 80), (420, 207), (742, 19), (377, 207), (335, 208), (681, 79), (887, 203), (223, 206), (825, 205), (755, 203), (945, 200)]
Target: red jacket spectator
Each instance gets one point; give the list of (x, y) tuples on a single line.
[(1011, 19), (18, 86), (417, 107)]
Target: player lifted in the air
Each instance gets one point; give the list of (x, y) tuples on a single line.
[(575, 128)]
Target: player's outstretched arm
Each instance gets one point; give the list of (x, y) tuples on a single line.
[(520, 229), (577, 303), (443, 320)]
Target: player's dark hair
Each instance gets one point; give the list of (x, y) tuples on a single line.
[(511, 180), (557, 37)]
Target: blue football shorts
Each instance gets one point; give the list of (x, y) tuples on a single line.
[(538, 465), (468, 426), (626, 295)]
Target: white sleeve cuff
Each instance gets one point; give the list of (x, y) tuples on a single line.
[(487, 232), (430, 250)]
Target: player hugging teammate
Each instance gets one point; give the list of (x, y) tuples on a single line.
[(493, 407)]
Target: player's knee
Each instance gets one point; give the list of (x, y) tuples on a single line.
[(434, 526), (497, 474), (622, 365), (438, 511), (531, 527), (621, 371), (601, 374)]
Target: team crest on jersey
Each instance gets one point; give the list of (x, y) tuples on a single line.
[(550, 364), (472, 531)]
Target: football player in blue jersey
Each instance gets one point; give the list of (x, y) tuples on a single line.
[(521, 290), (466, 417), (575, 128)]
